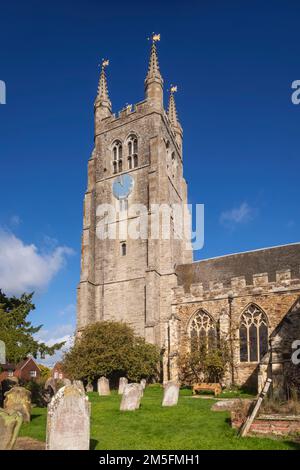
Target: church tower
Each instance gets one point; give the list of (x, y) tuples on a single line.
[(137, 160)]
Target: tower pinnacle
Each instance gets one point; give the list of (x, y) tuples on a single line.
[(154, 81), (172, 112), (102, 102), (172, 115)]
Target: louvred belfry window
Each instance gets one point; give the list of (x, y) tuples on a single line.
[(117, 157), (132, 152)]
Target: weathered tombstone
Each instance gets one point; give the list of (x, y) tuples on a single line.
[(131, 398), (68, 420), (66, 381), (122, 384), (143, 383), (51, 384), (103, 386), (171, 393), (89, 387), (18, 399), (2, 352), (230, 404), (10, 423), (79, 384)]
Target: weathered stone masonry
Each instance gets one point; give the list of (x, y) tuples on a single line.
[(276, 292), (156, 287)]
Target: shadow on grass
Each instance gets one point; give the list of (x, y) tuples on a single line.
[(35, 416), (93, 444)]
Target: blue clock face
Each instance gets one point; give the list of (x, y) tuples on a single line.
[(122, 186)]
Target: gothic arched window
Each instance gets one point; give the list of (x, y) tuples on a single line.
[(132, 151), (202, 331), (253, 334), (117, 156)]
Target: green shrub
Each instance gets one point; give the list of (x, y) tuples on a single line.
[(113, 350)]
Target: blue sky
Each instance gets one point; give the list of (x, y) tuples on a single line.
[(234, 63)]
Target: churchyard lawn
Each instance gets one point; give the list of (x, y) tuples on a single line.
[(190, 425)]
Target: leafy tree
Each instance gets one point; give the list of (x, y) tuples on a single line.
[(111, 349), (45, 372), (18, 332), (204, 364)]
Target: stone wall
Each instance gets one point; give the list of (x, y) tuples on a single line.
[(275, 295), (272, 425)]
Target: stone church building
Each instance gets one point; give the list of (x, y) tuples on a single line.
[(153, 284)]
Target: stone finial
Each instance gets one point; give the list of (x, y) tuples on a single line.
[(102, 86), (172, 115), (154, 80), (172, 111), (153, 67), (103, 103)]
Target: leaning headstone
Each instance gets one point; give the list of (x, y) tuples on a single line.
[(131, 398), (89, 387), (10, 423), (68, 420), (171, 393), (18, 399), (103, 386), (79, 385), (122, 384), (2, 352)]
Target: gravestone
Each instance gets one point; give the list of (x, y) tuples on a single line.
[(79, 384), (18, 399), (131, 398), (171, 393), (122, 384), (9, 383), (10, 423), (51, 386), (68, 420), (103, 386), (2, 352), (143, 383), (89, 387), (225, 405)]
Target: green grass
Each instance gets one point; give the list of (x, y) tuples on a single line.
[(190, 425)]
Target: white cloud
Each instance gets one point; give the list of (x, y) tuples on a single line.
[(240, 215), (23, 268)]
